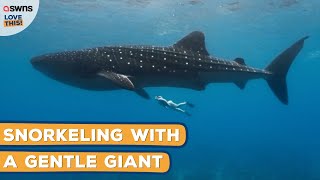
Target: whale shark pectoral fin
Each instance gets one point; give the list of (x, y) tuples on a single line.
[(119, 79), (142, 93), (194, 41)]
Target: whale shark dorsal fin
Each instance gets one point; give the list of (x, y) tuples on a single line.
[(240, 61), (119, 79), (194, 41)]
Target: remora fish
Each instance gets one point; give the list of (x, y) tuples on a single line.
[(186, 64)]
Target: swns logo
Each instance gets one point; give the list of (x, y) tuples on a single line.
[(17, 8), (11, 20)]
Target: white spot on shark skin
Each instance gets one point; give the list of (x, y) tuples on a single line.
[(174, 71), (234, 69), (165, 67), (151, 56), (119, 49), (108, 55), (141, 55), (128, 63), (141, 66), (110, 60), (153, 66), (164, 58), (120, 57), (186, 57), (184, 52), (141, 61), (164, 53), (210, 67), (199, 59), (187, 63), (113, 67), (120, 52)]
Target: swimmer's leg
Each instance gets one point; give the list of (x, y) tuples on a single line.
[(185, 103), (181, 104), (183, 111)]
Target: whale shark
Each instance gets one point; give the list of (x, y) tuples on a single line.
[(185, 64)]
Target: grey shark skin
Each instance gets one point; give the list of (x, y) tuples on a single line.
[(186, 64)]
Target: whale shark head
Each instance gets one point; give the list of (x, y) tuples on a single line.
[(62, 65), (51, 67), (69, 70)]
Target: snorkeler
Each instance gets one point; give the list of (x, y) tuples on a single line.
[(170, 104)]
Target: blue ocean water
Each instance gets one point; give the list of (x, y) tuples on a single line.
[(233, 134)]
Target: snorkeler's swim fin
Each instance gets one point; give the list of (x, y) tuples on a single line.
[(190, 105), (279, 68)]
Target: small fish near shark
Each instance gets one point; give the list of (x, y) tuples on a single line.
[(186, 64)]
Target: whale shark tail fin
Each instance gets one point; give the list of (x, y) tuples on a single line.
[(279, 68)]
